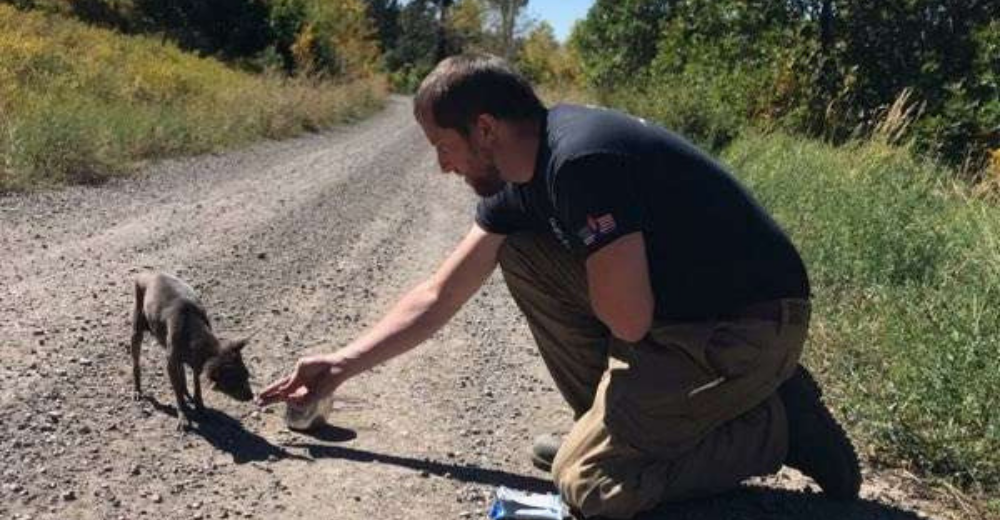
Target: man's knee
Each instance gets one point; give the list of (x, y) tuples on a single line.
[(609, 489)]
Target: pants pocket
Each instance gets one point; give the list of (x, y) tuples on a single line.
[(648, 397), (682, 381)]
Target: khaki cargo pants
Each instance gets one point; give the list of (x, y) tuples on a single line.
[(688, 411)]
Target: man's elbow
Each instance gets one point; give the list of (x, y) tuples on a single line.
[(632, 328)]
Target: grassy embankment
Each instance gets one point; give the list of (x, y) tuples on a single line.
[(905, 266), (80, 104)]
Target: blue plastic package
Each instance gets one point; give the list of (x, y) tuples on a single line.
[(510, 504)]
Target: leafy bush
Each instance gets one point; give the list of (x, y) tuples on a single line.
[(618, 39), (689, 106)]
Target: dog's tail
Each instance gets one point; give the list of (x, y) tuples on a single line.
[(139, 324)]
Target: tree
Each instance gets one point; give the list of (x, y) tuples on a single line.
[(385, 16), (466, 25), (618, 39), (417, 42), (508, 11), (540, 49), (443, 48)]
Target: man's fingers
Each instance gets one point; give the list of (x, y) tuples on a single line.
[(275, 386), (276, 391)]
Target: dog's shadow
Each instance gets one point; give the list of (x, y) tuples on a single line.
[(229, 435)]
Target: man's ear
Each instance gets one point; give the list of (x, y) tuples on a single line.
[(486, 128)]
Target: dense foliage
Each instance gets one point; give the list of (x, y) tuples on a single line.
[(332, 38), (831, 68)]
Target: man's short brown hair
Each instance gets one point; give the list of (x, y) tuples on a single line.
[(462, 87)]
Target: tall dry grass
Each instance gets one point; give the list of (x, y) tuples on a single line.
[(80, 104)]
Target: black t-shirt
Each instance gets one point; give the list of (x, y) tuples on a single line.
[(601, 174)]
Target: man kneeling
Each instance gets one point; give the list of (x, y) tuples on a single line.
[(670, 309)]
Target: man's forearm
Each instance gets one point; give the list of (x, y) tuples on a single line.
[(413, 319)]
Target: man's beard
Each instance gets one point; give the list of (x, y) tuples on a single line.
[(488, 184)]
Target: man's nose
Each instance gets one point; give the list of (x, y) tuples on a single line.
[(446, 166)]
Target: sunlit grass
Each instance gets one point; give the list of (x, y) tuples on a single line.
[(79, 104), (906, 274)]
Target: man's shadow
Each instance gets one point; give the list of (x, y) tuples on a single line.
[(752, 503), (745, 503), (228, 434), (459, 472)]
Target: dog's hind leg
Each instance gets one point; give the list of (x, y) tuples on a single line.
[(198, 403), (175, 371)]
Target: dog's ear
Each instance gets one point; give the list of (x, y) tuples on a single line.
[(234, 345), (238, 345)]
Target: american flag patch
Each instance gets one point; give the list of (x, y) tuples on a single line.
[(601, 225), (597, 227)]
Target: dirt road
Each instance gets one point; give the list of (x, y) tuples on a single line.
[(303, 242)]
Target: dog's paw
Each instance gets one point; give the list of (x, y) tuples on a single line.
[(137, 396)]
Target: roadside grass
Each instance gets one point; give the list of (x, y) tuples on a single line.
[(905, 267), (80, 104)]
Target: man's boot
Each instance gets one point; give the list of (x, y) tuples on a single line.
[(543, 450), (817, 445)]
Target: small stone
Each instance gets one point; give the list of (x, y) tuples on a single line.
[(68, 496), (156, 498)]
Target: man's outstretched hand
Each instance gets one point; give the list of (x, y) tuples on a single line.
[(314, 378)]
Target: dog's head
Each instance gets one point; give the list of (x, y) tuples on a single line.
[(228, 373)]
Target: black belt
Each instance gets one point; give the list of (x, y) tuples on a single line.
[(778, 311)]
